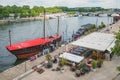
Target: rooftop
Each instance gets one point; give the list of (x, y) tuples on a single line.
[(98, 41)]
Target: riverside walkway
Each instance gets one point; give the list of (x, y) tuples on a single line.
[(107, 72), (27, 65)]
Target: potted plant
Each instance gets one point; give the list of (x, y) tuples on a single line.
[(62, 63), (49, 63), (94, 65), (99, 63), (77, 72), (48, 57)]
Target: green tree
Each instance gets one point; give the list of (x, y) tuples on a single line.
[(25, 11), (5, 13), (71, 12), (1, 9), (82, 10), (116, 48), (16, 9), (64, 9), (93, 9), (1, 16), (7, 8), (32, 13), (53, 10), (35, 11)]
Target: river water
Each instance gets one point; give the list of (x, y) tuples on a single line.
[(34, 29)]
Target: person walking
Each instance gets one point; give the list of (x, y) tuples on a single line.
[(111, 55)]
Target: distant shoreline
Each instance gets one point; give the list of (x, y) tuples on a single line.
[(17, 20), (8, 21)]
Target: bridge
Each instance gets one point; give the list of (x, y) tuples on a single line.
[(104, 13)]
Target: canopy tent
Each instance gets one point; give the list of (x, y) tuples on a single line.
[(111, 46), (96, 40), (72, 57)]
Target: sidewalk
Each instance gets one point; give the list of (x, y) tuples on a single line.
[(106, 72), (27, 65)]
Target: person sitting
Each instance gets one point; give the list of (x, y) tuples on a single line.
[(89, 63), (51, 47)]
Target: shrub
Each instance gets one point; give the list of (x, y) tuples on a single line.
[(94, 64), (102, 25), (118, 68), (48, 57), (82, 65), (63, 62)]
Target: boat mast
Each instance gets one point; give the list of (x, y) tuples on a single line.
[(10, 37), (58, 26), (73, 36), (96, 21), (44, 24)]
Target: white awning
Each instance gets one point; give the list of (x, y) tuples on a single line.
[(111, 46), (72, 57), (96, 40)]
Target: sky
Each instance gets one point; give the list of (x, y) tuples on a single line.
[(67, 3)]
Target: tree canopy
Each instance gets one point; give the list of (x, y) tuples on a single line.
[(26, 11)]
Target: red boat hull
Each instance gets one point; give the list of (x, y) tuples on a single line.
[(31, 47), (22, 56)]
